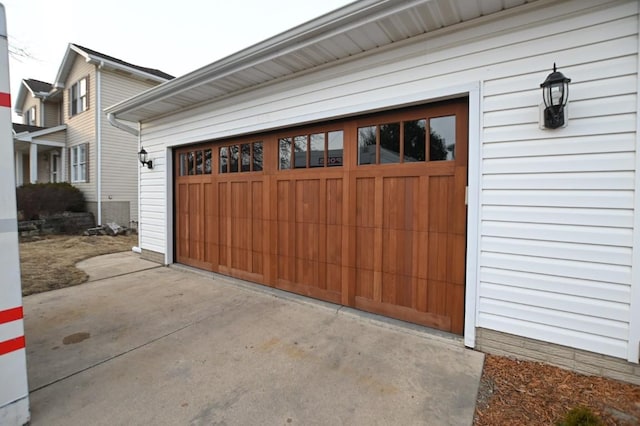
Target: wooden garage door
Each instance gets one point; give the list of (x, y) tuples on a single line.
[(366, 212)]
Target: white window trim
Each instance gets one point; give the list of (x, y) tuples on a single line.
[(78, 164), (30, 116)]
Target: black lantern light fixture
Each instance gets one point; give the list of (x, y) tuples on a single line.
[(555, 93), (142, 156)]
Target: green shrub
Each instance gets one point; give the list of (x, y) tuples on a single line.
[(581, 416), (43, 199)]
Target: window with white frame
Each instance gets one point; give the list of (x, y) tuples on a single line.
[(78, 97), (79, 163), (30, 116)]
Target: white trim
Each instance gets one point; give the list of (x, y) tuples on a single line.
[(169, 238), (55, 157), (633, 345), (33, 163), (19, 170), (63, 164), (474, 170), (139, 191)]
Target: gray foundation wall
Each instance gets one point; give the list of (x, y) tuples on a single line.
[(153, 256), (497, 343), (112, 211)]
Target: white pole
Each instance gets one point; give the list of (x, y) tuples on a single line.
[(14, 391)]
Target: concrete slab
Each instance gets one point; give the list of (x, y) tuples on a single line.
[(112, 265), (164, 346)]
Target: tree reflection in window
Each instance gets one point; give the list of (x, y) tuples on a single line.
[(367, 145), (285, 153), (390, 143), (414, 140), (442, 138)]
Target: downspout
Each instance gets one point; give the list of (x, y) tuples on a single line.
[(99, 139)]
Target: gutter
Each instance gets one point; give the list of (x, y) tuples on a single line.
[(115, 123)]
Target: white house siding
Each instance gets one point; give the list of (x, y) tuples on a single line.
[(556, 207), (81, 127), (119, 149)]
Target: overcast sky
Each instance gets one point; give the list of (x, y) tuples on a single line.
[(175, 37)]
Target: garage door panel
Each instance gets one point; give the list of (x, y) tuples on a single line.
[(439, 203), (437, 260), (455, 309), (333, 241), (385, 238), (334, 203), (365, 248), (307, 202), (364, 283), (365, 202)]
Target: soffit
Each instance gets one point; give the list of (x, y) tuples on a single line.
[(351, 30)]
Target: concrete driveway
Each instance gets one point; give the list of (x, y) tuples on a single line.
[(165, 346)]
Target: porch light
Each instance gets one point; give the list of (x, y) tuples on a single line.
[(142, 156), (555, 93)]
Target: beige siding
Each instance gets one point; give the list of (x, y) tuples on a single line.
[(81, 127), (52, 114), (29, 102), (52, 137), (556, 207), (119, 149)]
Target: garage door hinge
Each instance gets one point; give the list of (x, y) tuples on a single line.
[(466, 195)]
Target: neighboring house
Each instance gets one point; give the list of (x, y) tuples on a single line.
[(390, 156), (65, 136)]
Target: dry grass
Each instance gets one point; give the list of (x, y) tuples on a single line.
[(49, 264)]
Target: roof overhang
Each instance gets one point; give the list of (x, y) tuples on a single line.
[(353, 30), (28, 136), (23, 91), (73, 51)]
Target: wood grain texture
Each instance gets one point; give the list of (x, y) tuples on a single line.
[(385, 238)]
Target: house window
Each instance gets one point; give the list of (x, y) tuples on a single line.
[(79, 163), (78, 97), (30, 116)]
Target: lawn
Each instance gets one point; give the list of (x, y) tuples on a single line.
[(49, 263)]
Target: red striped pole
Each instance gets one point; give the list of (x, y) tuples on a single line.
[(14, 391)]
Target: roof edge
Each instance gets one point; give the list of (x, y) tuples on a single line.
[(306, 33)]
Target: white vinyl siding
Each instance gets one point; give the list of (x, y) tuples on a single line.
[(556, 207)]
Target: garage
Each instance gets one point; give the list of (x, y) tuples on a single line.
[(367, 212)]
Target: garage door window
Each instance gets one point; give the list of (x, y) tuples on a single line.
[(195, 162), (246, 157), (311, 150), (406, 141)]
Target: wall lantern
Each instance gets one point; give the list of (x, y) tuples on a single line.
[(142, 156), (555, 93)]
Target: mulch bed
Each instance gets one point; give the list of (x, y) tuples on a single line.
[(516, 392)]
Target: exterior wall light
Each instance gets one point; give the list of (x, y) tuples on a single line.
[(555, 93), (142, 156)]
